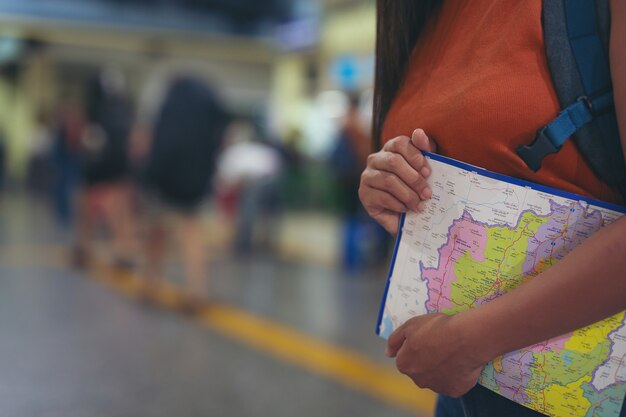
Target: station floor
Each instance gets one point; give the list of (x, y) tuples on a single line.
[(286, 338)]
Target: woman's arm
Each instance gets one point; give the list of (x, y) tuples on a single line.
[(590, 283), (447, 353)]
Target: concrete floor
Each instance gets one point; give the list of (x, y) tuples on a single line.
[(71, 347)]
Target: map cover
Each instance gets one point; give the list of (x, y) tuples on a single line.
[(483, 234)]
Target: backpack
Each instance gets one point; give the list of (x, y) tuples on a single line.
[(576, 34)]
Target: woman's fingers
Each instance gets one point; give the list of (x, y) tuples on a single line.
[(393, 185), (395, 180), (382, 207), (421, 141), (400, 166), (403, 146), (377, 201)]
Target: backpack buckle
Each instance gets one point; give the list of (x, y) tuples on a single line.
[(600, 104), (534, 153), (587, 101)]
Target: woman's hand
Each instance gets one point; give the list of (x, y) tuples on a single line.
[(434, 351), (394, 180)]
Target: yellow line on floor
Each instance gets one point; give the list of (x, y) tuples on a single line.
[(292, 346), (287, 344), (314, 355)]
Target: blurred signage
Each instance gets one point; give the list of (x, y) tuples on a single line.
[(350, 72)]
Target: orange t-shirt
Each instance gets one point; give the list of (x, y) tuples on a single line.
[(478, 83)]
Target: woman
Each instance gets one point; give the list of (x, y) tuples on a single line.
[(469, 79)]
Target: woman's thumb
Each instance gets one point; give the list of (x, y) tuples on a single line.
[(421, 141)]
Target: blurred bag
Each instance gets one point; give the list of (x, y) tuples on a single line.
[(577, 35)]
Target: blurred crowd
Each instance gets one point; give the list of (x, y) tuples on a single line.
[(132, 176)]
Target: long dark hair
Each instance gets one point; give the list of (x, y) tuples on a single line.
[(399, 24)]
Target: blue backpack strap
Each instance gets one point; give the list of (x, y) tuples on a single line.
[(593, 66)]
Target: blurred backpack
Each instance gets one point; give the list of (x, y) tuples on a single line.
[(576, 35), (187, 135)]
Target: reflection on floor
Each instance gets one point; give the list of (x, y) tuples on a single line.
[(286, 339)]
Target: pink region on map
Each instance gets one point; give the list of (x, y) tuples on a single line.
[(465, 236), (553, 345)]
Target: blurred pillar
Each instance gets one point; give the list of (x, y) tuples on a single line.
[(16, 122), (289, 93), (20, 100)]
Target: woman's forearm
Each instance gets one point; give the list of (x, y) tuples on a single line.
[(586, 286)]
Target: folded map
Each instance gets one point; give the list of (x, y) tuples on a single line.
[(483, 234)]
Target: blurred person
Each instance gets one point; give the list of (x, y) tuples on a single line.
[(66, 139), (184, 140), (294, 187), (250, 170), (347, 161), (2, 160), (106, 194), (40, 166), (152, 94)]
